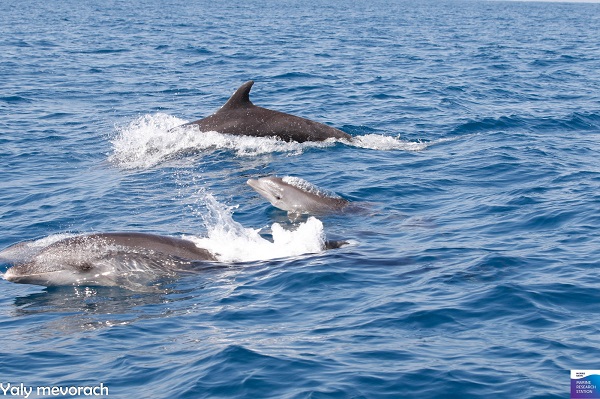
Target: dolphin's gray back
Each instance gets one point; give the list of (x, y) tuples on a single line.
[(172, 246), (312, 203), (239, 116), (124, 259)]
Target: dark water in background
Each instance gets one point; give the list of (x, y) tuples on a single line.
[(473, 272)]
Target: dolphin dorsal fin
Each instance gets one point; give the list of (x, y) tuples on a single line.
[(241, 97)]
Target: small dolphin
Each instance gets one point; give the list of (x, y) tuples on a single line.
[(296, 195), (109, 259), (240, 117)]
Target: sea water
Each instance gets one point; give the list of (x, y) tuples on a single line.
[(471, 272)]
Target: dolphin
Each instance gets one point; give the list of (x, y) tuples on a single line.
[(130, 260), (240, 117), (109, 259), (296, 195)]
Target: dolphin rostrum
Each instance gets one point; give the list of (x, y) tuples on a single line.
[(110, 259), (240, 117), (296, 195)]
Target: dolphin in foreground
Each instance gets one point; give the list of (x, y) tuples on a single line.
[(136, 261), (296, 195), (109, 259), (240, 117)]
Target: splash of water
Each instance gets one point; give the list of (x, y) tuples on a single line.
[(232, 242), (152, 139), (387, 143), (226, 238)]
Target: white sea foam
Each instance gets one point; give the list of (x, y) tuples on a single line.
[(151, 139), (232, 242), (386, 143)]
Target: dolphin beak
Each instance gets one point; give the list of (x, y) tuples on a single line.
[(17, 273), (262, 189), (257, 186), (252, 183)]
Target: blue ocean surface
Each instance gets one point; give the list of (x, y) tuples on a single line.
[(472, 267)]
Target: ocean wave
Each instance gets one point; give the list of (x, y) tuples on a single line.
[(15, 99), (573, 122)]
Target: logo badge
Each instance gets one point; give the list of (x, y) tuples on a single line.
[(585, 384)]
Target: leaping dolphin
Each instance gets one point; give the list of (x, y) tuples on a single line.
[(109, 259), (296, 195), (240, 117)]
